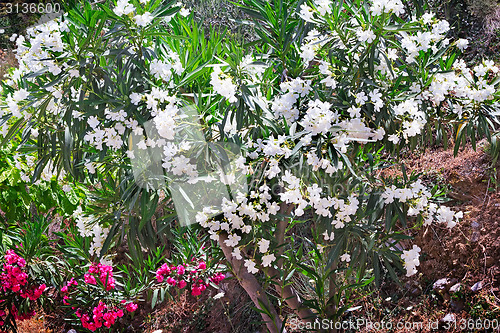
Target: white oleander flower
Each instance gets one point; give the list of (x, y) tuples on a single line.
[(462, 44), (223, 84), (268, 259), (144, 19), (264, 245), (411, 260), (365, 35), (123, 7), (250, 265), (345, 257)]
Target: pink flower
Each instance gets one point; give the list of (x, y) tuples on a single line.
[(195, 290), (37, 293), (182, 284), (64, 289), (217, 278), (72, 282), (93, 269), (131, 307), (90, 279), (171, 281), (21, 262), (195, 271)]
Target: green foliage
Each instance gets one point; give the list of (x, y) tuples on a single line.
[(20, 197)]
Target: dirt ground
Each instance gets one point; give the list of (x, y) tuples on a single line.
[(458, 281)]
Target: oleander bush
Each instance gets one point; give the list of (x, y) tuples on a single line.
[(259, 159)]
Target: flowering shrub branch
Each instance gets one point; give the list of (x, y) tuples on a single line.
[(20, 292), (95, 300)]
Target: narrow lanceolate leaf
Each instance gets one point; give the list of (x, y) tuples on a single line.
[(15, 128)]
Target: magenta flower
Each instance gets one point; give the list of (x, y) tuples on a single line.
[(131, 307), (182, 284)]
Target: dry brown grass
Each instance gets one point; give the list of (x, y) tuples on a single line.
[(489, 12), (492, 21), (7, 60), (33, 325)]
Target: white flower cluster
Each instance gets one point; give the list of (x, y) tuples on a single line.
[(417, 197), (446, 215), (181, 165), (411, 260), (413, 119), (462, 44), (112, 133), (222, 84), (387, 6), (123, 7), (100, 235), (144, 19), (424, 41), (284, 105), (319, 118), (312, 43), (88, 227), (344, 210), (463, 89), (306, 13), (365, 35), (297, 194), (184, 11), (346, 257), (270, 147), (44, 40), (357, 131), (165, 121), (321, 7), (254, 208), (110, 130), (176, 162), (163, 69), (13, 101), (463, 84), (329, 81), (323, 163), (416, 190)]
